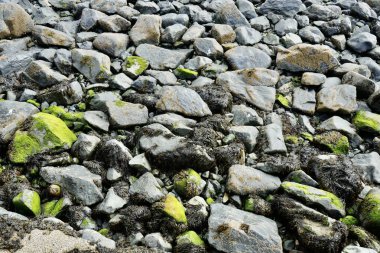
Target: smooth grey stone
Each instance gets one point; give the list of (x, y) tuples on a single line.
[(364, 11), (304, 100), (247, 36), (339, 41), (156, 241), (368, 165), (124, 114), (45, 16), (99, 100), (285, 26), (145, 84), (364, 86), (84, 146), (372, 66), (274, 139), (146, 30), (243, 57), (145, 7), (337, 99), (146, 188), (357, 249), (92, 64), (108, 6), (260, 23), (208, 47), (128, 12), (311, 34), (11, 215), (312, 79), (229, 14), (362, 42), (174, 18), (290, 40), (244, 115), (111, 203), (196, 13), (63, 61), (120, 81), (98, 239), (173, 33), (68, 27), (286, 8), (163, 77), (323, 12), (27, 94), (90, 18), (170, 120), (247, 8), (247, 134), (140, 163), (114, 23), (51, 37), (112, 44), (223, 33), (197, 63)]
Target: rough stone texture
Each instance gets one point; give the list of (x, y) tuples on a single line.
[(14, 21), (340, 99), (243, 57)]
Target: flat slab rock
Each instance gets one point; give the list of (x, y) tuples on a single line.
[(236, 231)]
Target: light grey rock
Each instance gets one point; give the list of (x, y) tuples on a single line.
[(285, 26), (368, 165), (247, 134), (128, 12), (12, 116), (194, 32), (357, 249), (323, 12), (120, 81), (173, 33), (243, 180), (68, 27), (161, 58), (113, 174), (313, 79), (14, 46), (247, 8), (14, 62), (124, 114), (97, 119), (92, 64), (112, 44), (27, 94), (304, 100), (364, 11), (98, 239), (247, 36), (274, 139), (339, 41), (90, 18), (182, 100), (243, 57), (11, 215), (114, 23), (288, 8), (147, 7), (341, 125), (14, 21), (85, 146), (223, 33), (156, 241), (51, 37), (163, 77), (144, 84), (99, 100), (262, 232), (260, 23), (64, 5), (362, 42), (108, 6), (229, 14), (140, 163), (372, 66), (63, 61), (244, 115), (146, 188), (45, 16), (365, 87), (208, 47), (41, 73), (146, 30), (198, 62), (77, 180), (290, 40), (170, 120), (311, 34), (196, 13), (111, 203), (337, 99)]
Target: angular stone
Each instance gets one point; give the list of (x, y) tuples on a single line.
[(288, 8), (97, 238), (275, 139), (111, 203), (41, 73), (27, 202), (123, 114), (111, 43), (229, 14), (368, 165), (77, 180), (369, 211), (146, 189), (243, 57), (146, 30), (208, 47), (304, 100), (108, 6), (92, 64), (85, 146), (340, 99), (313, 79), (306, 57), (97, 119), (51, 37), (14, 21), (364, 86), (114, 23), (90, 18)]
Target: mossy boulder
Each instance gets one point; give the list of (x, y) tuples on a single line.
[(173, 208), (369, 211), (70, 118), (189, 241), (27, 202), (334, 141), (349, 220), (188, 183), (183, 73), (367, 122), (134, 66), (45, 132), (52, 208)]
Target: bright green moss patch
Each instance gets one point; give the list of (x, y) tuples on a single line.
[(291, 139), (367, 121), (33, 102), (209, 201), (52, 208), (119, 103), (174, 209), (87, 223), (70, 118), (190, 237), (46, 132), (187, 183), (349, 220), (334, 141), (283, 100), (135, 66), (104, 232), (249, 205), (307, 136), (183, 73), (369, 211), (27, 202)]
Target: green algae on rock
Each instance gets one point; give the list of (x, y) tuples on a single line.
[(52, 208), (46, 132), (134, 66), (27, 202), (284, 101), (369, 211), (190, 237), (334, 141), (367, 122), (183, 73), (188, 183), (349, 220), (174, 209)]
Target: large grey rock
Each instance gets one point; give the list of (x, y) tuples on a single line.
[(182, 100), (146, 30), (92, 64), (90, 18), (14, 62), (146, 189), (111, 203), (97, 119), (156, 241), (339, 98), (162, 58), (362, 42), (243, 180), (85, 146), (304, 100), (243, 57), (368, 165), (364, 11), (244, 115), (341, 125), (41, 73), (12, 116), (247, 134), (98, 239), (108, 6), (286, 8), (364, 86), (229, 14), (233, 230), (323, 12), (285, 26), (11, 215), (51, 37), (111, 43), (77, 180), (208, 47), (247, 36), (312, 34), (114, 23), (124, 114), (306, 57), (274, 139), (14, 21)]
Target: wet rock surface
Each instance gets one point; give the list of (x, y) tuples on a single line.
[(189, 126)]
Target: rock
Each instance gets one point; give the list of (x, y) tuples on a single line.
[(85, 146), (146, 189), (229, 14), (111, 43), (77, 180), (304, 100), (368, 165), (108, 6), (51, 37), (312, 34), (135, 66), (100, 240), (120, 81), (27, 202), (337, 99), (305, 57), (114, 155), (337, 175), (362, 42), (243, 57), (194, 32), (173, 33), (289, 8), (124, 114), (223, 33), (333, 141), (364, 86), (146, 30), (244, 115), (63, 61), (218, 99), (299, 176), (163, 77), (162, 58), (156, 241), (11, 215), (285, 26), (182, 100), (189, 240), (188, 183), (140, 163), (46, 132), (364, 11), (173, 208), (114, 23), (274, 139), (14, 21), (315, 231), (145, 84), (41, 73), (246, 134), (111, 203), (243, 180), (367, 122), (341, 125), (90, 18), (247, 36), (92, 64), (369, 211), (322, 12), (53, 241), (357, 249), (12, 115), (233, 230), (260, 23), (313, 79), (374, 100), (208, 47), (326, 201), (97, 119)]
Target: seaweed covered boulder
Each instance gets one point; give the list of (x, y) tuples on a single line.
[(367, 122), (44, 132), (369, 211)]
